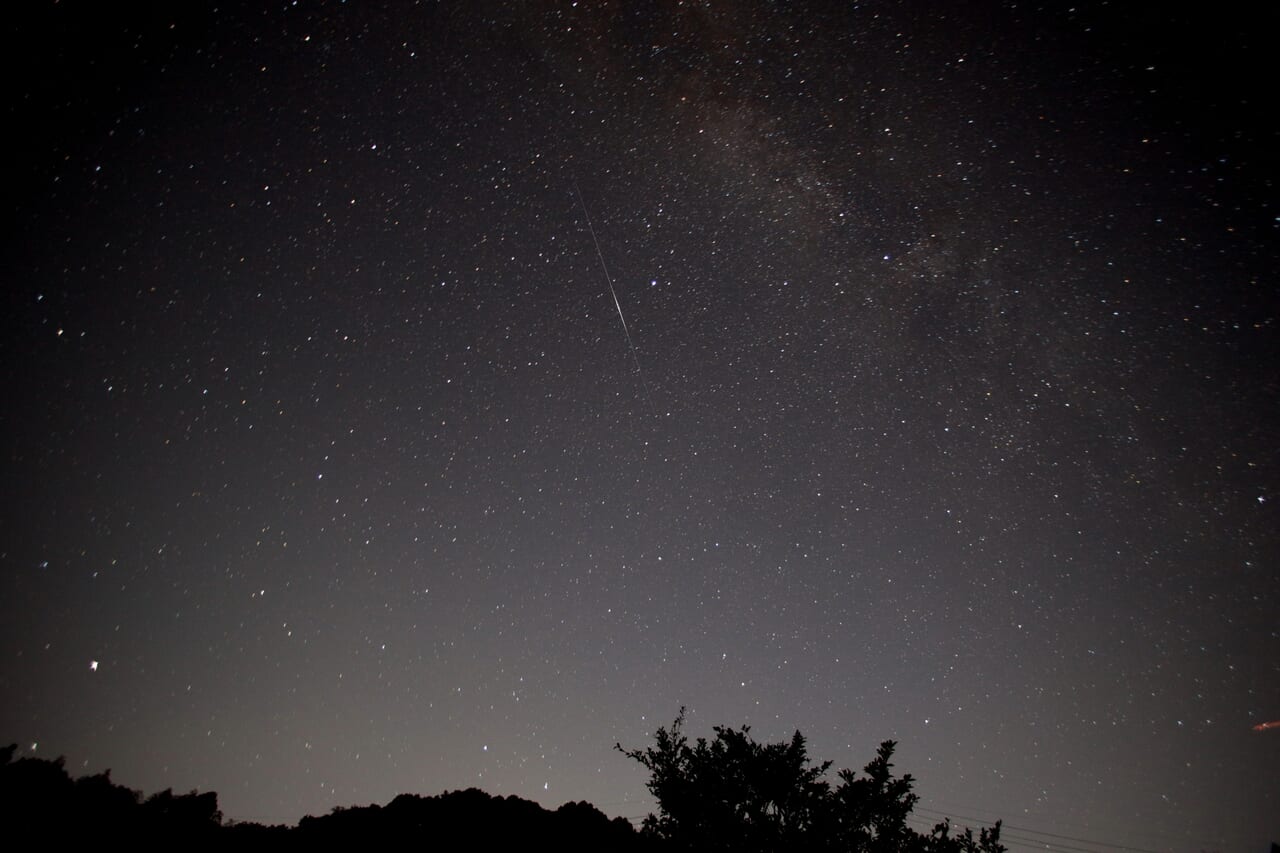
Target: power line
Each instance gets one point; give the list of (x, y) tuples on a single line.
[(1015, 840), (1004, 826), (1148, 835)]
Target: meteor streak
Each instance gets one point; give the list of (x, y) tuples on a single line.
[(1262, 727), (614, 293)]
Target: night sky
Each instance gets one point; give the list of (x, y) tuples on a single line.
[(948, 413)]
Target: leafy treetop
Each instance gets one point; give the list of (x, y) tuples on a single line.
[(734, 793)]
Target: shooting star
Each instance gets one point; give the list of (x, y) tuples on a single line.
[(1262, 727), (617, 304)]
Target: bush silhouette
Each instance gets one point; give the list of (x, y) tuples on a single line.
[(734, 793)]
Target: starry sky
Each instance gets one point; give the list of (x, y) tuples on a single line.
[(945, 409)]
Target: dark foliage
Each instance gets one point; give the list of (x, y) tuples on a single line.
[(734, 793), (471, 820), (731, 793), (35, 793)]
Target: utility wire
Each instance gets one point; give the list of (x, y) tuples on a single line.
[(1023, 829)]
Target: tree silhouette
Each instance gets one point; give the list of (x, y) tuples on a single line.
[(734, 793), (731, 793)]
